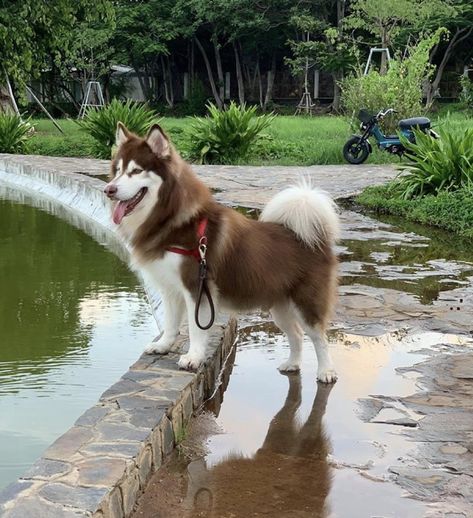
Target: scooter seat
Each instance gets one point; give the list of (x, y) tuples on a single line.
[(415, 122)]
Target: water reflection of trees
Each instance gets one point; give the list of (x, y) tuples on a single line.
[(441, 246), (46, 268)]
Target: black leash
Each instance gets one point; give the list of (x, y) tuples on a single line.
[(203, 287)]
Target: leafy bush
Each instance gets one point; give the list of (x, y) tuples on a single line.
[(466, 95), (101, 124), (14, 133), (226, 136), (452, 211), (444, 164), (400, 88), (196, 102)]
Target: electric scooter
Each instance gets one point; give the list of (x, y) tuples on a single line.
[(358, 147)]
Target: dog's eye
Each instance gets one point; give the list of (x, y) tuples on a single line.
[(135, 171)]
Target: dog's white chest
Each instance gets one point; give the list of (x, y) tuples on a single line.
[(164, 273)]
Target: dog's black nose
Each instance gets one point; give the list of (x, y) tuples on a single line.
[(110, 190)]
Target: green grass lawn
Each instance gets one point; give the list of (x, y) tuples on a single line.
[(47, 140), (452, 211), (289, 141)]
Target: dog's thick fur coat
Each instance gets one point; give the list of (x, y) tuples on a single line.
[(284, 262)]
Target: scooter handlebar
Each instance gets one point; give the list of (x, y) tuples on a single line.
[(382, 114)]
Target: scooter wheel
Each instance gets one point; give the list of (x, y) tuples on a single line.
[(355, 152)]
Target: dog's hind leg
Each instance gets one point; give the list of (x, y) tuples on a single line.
[(285, 318), (198, 338), (313, 314), (174, 310), (325, 370)]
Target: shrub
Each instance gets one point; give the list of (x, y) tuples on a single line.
[(226, 136), (14, 133), (400, 88), (196, 102), (466, 95), (101, 124), (435, 165)]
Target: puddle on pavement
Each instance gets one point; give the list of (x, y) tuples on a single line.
[(289, 447), (406, 257), (389, 253)]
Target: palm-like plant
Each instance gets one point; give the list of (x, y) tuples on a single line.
[(101, 124), (436, 165), (14, 133), (226, 136)]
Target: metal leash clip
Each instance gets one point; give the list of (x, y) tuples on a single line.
[(203, 248)]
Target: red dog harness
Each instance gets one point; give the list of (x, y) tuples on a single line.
[(201, 247), (199, 253)]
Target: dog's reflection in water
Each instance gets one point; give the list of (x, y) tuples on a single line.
[(288, 477)]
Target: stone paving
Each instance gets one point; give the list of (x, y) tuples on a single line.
[(240, 185)]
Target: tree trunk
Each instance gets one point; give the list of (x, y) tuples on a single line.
[(270, 83), (336, 76), (460, 35), (239, 75), (260, 85), (143, 82), (190, 52), (6, 105), (252, 79), (170, 81), (7, 98), (340, 12), (62, 86), (218, 61), (384, 44), (245, 67), (217, 97), (168, 89)]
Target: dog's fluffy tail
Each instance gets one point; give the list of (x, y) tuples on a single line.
[(309, 212)]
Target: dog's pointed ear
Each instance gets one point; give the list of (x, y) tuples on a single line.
[(158, 142), (121, 135)]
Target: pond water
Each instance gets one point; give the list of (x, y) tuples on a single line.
[(72, 319)]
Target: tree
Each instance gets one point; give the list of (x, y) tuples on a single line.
[(386, 19), (459, 23), (91, 51), (321, 45), (304, 49), (32, 34), (336, 54), (143, 37)]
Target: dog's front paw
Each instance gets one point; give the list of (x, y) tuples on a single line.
[(190, 362), (289, 366), (162, 346), (328, 375)]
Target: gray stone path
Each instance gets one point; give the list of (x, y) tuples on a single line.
[(249, 186)]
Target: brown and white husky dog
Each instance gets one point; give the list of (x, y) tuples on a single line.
[(284, 262)]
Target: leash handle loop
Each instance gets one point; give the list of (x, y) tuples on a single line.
[(203, 288)]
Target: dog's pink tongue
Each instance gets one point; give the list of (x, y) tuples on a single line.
[(119, 212)]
